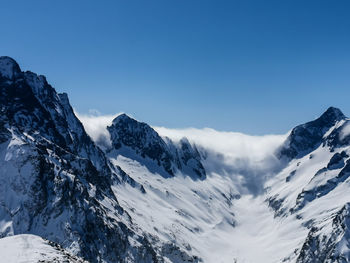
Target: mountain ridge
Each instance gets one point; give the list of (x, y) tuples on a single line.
[(148, 198)]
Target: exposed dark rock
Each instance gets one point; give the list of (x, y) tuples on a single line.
[(307, 137), (135, 139), (320, 247), (62, 180)]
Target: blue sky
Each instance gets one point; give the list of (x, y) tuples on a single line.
[(251, 66)]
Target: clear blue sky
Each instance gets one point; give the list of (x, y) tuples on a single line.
[(250, 66)]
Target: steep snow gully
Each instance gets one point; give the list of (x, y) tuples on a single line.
[(129, 192)]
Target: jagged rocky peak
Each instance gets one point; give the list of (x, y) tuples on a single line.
[(54, 177), (130, 132), (31, 105), (9, 67), (123, 118), (139, 136), (144, 141), (308, 136), (331, 116), (190, 158)]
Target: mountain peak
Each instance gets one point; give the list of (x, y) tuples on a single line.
[(124, 127), (144, 141), (123, 118), (306, 137), (332, 115), (8, 67)]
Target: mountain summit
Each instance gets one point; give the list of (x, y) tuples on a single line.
[(132, 138), (306, 137), (54, 181), (9, 67), (330, 117)]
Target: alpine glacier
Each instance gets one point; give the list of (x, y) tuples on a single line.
[(136, 193)]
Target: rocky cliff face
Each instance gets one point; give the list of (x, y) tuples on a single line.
[(54, 181), (137, 139), (313, 187), (307, 137), (330, 242)]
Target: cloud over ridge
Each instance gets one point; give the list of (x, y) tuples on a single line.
[(96, 124), (249, 160)]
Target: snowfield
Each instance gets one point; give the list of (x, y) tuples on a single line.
[(32, 249)]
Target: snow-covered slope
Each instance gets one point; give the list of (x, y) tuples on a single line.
[(314, 188), (54, 181), (33, 249), (300, 216)]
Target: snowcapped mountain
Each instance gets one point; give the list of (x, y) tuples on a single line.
[(54, 181), (136, 139), (159, 195), (313, 188), (307, 137)]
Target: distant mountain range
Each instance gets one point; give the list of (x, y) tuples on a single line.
[(145, 197)]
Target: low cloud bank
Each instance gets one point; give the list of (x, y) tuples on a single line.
[(232, 144), (248, 160), (96, 124)]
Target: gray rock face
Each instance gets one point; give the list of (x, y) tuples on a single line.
[(9, 68), (131, 138), (307, 137), (320, 247), (326, 139), (54, 181)]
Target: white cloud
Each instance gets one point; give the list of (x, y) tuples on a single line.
[(345, 131), (248, 160), (96, 124), (232, 144)]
